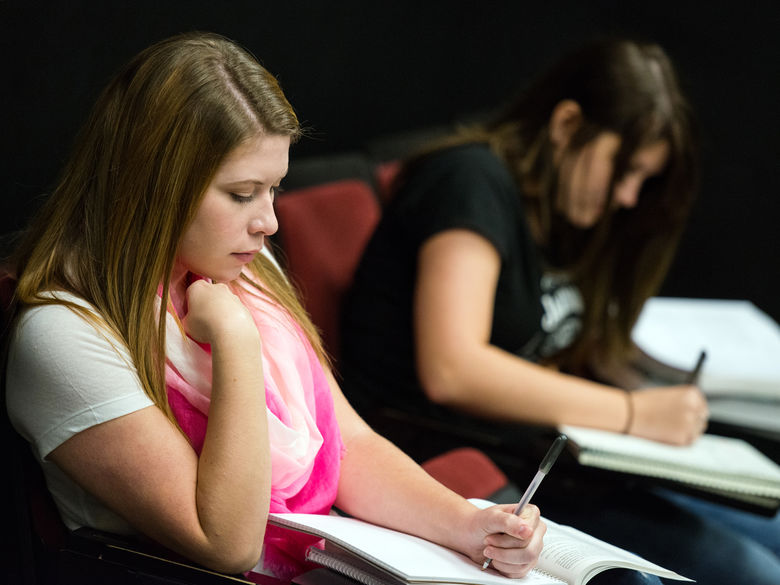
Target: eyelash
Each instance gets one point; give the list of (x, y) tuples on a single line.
[(248, 198), (241, 198)]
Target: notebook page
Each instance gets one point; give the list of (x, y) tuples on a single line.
[(742, 342), (720, 461), (409, 558)]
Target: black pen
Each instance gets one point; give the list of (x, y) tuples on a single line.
[(693, 376), (547, 463)]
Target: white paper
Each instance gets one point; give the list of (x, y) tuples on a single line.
[(741, 341)]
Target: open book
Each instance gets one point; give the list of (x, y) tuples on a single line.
[(722, 466), (379, 556)]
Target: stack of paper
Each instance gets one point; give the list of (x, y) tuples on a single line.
[(741, 376)]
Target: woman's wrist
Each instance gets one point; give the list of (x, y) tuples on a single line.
[(461, 533), (629, 396)]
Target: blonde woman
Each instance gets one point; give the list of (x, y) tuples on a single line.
[(165, 373)]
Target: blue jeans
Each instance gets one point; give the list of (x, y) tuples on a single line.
[(764, 530)]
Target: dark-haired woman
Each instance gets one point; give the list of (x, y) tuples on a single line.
[(508, 271)]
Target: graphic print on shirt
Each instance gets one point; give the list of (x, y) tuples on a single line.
[(561, 322)]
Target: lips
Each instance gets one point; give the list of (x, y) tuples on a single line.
[(244, 257)]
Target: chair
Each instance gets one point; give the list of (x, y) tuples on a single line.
[(389, 150), (472, 474), (323, 229)]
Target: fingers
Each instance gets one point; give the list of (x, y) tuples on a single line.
[(213, 309), (516, 556), (675, 414), (696, 415), (506, 523)]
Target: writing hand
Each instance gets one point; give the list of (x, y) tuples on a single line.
[(671, 414), (513, 542)]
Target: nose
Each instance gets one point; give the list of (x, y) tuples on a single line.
[(627, 192), (264, 221)]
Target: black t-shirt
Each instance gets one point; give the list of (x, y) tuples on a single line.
[(462, 187)]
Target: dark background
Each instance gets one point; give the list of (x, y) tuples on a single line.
[(358, 69)]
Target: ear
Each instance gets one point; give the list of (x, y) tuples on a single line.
[(565, 120)]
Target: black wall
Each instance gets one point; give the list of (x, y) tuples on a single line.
[(356, 69)]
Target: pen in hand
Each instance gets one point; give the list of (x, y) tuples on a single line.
[(693, 376), (552, 454)]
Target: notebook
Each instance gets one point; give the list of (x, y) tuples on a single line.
[(723, 466), (374, 555)]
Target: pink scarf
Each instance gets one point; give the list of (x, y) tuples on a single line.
[(306, 447)]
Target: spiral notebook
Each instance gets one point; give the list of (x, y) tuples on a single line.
[(374, 555), (727, 467)]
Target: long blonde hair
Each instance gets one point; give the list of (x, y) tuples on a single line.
[(110, 231)]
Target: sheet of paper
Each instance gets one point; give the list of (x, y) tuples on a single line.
[(757, 415), (742, 343), (722, 455)]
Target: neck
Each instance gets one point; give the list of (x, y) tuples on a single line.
[(178, 290)]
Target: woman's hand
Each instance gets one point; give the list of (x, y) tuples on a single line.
[(512, 542), (213, 310), (671, 414)]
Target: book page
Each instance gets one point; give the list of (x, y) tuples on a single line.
[(742, 343), (577, 557)]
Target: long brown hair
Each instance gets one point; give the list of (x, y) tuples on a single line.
[(631, 89), (110, 231)]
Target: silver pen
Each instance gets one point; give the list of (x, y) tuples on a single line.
[(552, 454)]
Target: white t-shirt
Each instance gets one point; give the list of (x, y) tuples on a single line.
[(64, 376)]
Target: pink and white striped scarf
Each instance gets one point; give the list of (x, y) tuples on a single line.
[(306, 446)]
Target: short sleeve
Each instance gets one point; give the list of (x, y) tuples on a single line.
[(64, 376), (467, 188)]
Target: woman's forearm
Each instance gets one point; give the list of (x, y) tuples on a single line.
[(486, 381), (410, 501), (457, 279), (234, 470), (382, 485)]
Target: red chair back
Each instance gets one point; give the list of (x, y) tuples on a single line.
[(323, 231), (468, 472)]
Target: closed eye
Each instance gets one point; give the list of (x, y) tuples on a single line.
[(273, 191), (242, 198)]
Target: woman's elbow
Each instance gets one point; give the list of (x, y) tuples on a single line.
[(248, 560), (440, 381), (232, 551), (236, 559)]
